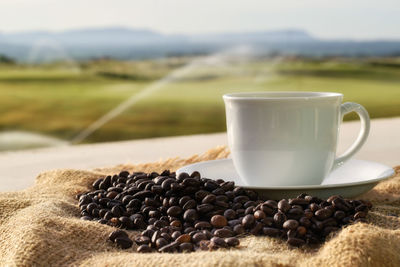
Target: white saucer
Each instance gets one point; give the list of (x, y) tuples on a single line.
[(350, 180)]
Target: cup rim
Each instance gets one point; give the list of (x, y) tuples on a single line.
[(280, 95)]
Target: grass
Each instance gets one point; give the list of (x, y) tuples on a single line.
[(60, 99)]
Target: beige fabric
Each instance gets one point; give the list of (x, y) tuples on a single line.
[(41, 226)]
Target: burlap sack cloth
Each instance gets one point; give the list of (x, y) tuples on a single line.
[(40, 226)]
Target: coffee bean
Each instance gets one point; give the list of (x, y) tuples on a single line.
[(198, 237), (279, 219), (160, 242), (298, 201), (209, 199), (174, 211), (323, 214), (259, 215), (223, 233), (248, 221), (314, 207), (296, 242), (183, 238), (290, 224), (304, 221), (190, 215), (230, 214), (283, 205), (340, 204), (301, 230), (238, 229), (170, 247), (190, 204), (141, 240), (123, 242), (203, 225), (232, 241), (218, 221), (272, 204), (218, 242), (118, 233), (204, 208), (257, 228)]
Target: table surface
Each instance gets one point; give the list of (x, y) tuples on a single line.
[(19, 168)]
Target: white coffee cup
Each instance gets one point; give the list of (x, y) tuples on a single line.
[(288, 138)]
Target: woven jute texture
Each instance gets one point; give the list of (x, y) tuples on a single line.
[(40, 226)]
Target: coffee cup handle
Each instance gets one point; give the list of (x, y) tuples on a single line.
[(346, 108)]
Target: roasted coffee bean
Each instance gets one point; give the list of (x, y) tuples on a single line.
[(290, 224), (175, 235), (257, 228), (123, 242), (323, 214), (141, 239), (203, 225), (248, 221), (190, 204), (279, 219), (298, 201), (184, 238), (259, 215), (329, 222), (174, 211), (230, 214), (198, 237), (301, 230), (190, 215), (166, 235), (170, 247), (211, 198), (283, 205), (232, 241), (268, 221), (304, 221), (204, 208), (218, 221), (314, 207), (218, 242), (238, 229), (118, 233), (340, 204), (161, 242), (223, 233), (339, 215), (272, 204), (155, 236)]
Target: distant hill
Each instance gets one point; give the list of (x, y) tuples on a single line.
[(126, 43)]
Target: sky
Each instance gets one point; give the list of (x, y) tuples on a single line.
[(327, 19)]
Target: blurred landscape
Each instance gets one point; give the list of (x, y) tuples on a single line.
[(59, 84)]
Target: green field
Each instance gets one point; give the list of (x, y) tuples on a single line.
[(62, 99)]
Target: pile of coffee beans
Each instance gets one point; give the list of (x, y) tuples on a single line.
[(186, 212)]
